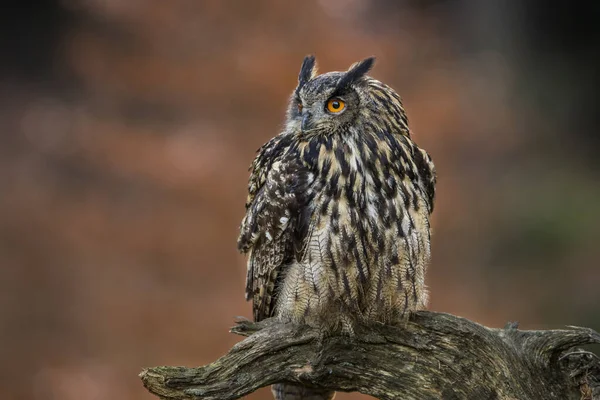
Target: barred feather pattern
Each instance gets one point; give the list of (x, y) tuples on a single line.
[(279, 189), (339, 224), (337, 228)]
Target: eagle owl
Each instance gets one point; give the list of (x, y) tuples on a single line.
[(337, 226)]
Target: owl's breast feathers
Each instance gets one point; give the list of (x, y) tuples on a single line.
[(345, 217)]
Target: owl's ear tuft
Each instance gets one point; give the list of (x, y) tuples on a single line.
[(355, 72), (307, 71)]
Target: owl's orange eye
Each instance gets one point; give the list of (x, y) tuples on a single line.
[(299, 107), (335, 105)]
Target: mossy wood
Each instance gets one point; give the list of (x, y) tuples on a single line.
[(432, 356)]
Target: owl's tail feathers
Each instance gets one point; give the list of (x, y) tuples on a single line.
[(286, 391)]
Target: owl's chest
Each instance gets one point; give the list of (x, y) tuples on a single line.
[(360, 193), (365, 204), (364, 185), (363, 222)]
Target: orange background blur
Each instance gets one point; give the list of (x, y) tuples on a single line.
[(127, 128)]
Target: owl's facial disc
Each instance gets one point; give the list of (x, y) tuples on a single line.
[(327, 103), (326, 114), (320, 107), (322, 114)]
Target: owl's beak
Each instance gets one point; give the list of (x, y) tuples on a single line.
[(306, 122)]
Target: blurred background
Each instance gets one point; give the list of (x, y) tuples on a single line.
[(126, 131)]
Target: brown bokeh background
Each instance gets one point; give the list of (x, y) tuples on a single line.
[(127, 128)]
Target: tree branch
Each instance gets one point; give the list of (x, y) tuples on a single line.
[(431, 356)]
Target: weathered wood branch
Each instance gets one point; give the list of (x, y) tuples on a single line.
[(432, 356)]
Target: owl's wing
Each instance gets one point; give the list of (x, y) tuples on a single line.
[(427, 173), (279, 188)]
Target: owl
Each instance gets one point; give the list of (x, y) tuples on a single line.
[(337, 229)]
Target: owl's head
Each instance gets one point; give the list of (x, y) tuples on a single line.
[(330, 102)]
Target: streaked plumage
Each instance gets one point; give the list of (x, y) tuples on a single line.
[(337, 217)]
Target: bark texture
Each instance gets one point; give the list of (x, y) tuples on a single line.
[(432, 356)]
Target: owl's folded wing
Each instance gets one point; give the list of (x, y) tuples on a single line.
[(279, 186)]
